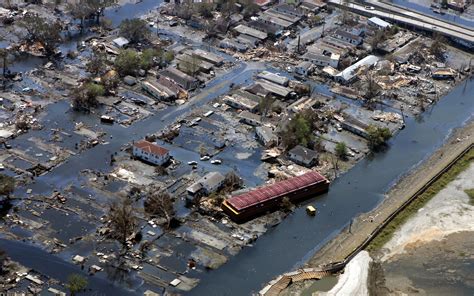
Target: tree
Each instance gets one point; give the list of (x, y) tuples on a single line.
[(160, 204), (265, 104), (372, 90), (249, 8), (379, 37), (85, 96), (76, 283), (205, 10), (79, 11), (438, 47), (377, 136), (297, 132), (110, 81), (189, 64), (341, 150), (147, 58), (39, 29), (168, 56), (7, 185), (97, 7), (232, 182), (97, 63), (123, 222), (128, 62), (135, 30)]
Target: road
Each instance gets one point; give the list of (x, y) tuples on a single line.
[(414, 20)]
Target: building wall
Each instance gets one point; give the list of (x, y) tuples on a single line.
[(149, 157), (274, 204)]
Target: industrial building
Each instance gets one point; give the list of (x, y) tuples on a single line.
[(249, 205)]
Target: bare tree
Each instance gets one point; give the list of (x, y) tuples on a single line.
[(123, 222), (160, 204)]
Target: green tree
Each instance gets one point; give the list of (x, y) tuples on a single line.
[(97, 7), (377, 137), (7, 185), (76, 283), (249, 8), (205, 10), (135, 30), (128, 62), (341, 150), (85, 96), (297, 132), (168, 56), (39, 29), (146, 58), (94, 90), (190, 64), (97, 63)]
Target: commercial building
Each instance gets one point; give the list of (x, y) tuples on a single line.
[(249, 205), (151, 152)]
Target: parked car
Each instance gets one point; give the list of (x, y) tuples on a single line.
[(205, 158), (192, 162), (216, 161)]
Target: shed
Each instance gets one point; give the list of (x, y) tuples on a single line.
[(121, 42)]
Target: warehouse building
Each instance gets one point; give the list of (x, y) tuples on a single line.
[(248, 205)]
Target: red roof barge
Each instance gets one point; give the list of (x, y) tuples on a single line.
[(248, 205)]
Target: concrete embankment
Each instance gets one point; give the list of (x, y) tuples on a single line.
[(351, 238)]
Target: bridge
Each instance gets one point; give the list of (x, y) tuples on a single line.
[(408, 18)]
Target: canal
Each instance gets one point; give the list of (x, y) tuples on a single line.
[(299, 236)]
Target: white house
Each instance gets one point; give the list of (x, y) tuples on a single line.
[(150, 152), (210, 183), (304, 68)]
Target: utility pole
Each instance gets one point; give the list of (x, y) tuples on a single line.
[(299, 40)]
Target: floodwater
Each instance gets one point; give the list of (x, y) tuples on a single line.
[(360, 190)]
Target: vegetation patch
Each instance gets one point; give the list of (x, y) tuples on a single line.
[(387, 232), (470, 193)]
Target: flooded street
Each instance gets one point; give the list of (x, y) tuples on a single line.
[(256, 262), (357, 191)]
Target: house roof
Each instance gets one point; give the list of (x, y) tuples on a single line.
[(277, 190), (211, 179), (351, 71), (379, 22), (307, 155), (151, 148), (243, 29)]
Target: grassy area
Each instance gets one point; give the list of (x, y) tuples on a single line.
[(470, 193), (387, 232)]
